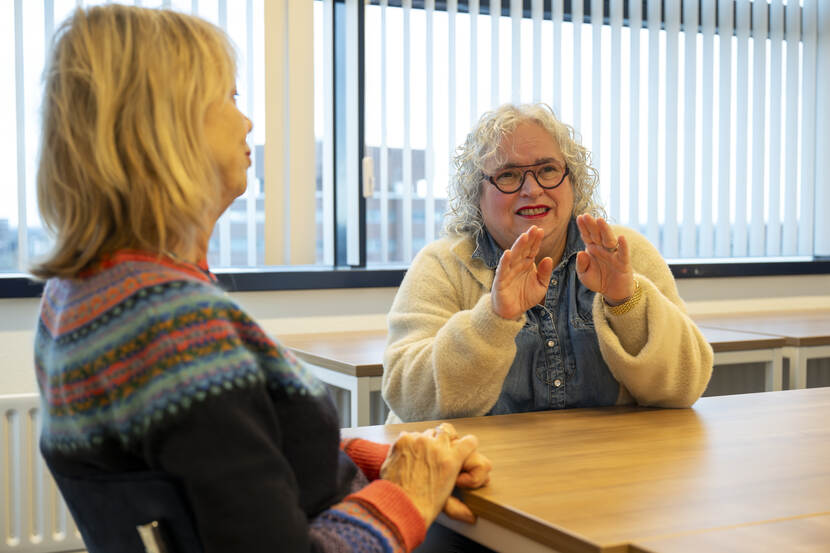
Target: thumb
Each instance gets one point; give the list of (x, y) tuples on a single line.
[(544, 270), (583, 261), (456, 509)]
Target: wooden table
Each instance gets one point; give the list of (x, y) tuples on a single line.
[(348, 360), (600, 480), (802, 535), (806, 334), (732, 346)]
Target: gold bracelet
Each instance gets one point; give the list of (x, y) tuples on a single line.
[(628, 304)]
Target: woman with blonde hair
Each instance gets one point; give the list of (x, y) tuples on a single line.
[(161, 396), (532, 300)]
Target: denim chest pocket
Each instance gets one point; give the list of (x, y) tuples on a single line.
[(581, 306)]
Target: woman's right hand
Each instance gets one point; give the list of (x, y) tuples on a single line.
[(520, 283), (426, 466)]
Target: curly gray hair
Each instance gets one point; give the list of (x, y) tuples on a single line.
[(482, 146)]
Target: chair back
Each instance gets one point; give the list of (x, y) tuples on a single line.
[(108, 509)]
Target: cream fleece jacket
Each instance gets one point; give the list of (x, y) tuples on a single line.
[(448, 353)]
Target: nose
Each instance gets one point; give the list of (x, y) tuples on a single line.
[(250, 124), (533, 187)]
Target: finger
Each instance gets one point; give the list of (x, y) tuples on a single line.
[(623, 252), (582, 224), (607, 238), (457, 510), (449, 429), (475, 471), (544, 271), (463, 447)]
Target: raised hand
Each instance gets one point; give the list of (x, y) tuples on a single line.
[(520, 283), (604, 266)]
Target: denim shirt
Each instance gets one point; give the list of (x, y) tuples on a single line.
[(558, 363)]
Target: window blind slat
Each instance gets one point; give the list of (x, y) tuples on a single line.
[(577, 18), (452, 16), (616, 19), (251, 189), (429, 154), (723, 246), (328, 132), (776, 77), (759, 53), (654, 25), (793, 34), (276, 51), (707, 154), (806, 220), (597, 102), (670, 234), (20, 121), (495, 53), (516, 50), (225, 219), (558, 16), (300, 152), (384, 134), (688, 245), (742, 138), (474, 9), (537, 14), (822, 141), (407, 130), (635, 17)]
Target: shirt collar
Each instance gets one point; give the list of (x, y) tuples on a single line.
[(489, 252)]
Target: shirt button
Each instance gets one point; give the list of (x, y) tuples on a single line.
[(553, 281), (557, 382), (550, 343)]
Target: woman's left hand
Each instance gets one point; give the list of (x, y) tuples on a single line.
[(604, 266)]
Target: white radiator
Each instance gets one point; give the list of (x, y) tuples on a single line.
[(33, 516)]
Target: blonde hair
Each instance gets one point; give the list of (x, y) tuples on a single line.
[(123, 160), (482, 147)]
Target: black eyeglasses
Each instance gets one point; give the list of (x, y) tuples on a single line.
[(548, 175)]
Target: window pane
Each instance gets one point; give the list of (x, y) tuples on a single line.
[(648, 102)]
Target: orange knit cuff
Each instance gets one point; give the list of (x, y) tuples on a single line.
[(369, 456), (390, 503)]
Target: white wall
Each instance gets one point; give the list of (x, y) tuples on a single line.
[(365, 308)]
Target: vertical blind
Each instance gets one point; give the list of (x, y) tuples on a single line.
[(274, 222), (701, 115), (706, 119)]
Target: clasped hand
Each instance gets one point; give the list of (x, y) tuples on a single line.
[(427, 465)]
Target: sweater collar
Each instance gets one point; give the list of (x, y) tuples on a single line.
[(199, 270)]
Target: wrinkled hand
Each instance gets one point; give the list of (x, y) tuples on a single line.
[(520, 283), (604, 266), (427, 465), (475, 473)]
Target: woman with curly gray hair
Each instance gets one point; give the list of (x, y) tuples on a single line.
[(532, 300)]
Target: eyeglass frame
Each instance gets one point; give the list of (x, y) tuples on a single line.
[(535, 176)]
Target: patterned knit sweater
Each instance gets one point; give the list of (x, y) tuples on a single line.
[(145, 364)]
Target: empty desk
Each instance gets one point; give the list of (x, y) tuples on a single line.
[(732, 346), (349, 360), (806, 334)]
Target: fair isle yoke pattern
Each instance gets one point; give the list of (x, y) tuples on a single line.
[(141, 340)]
